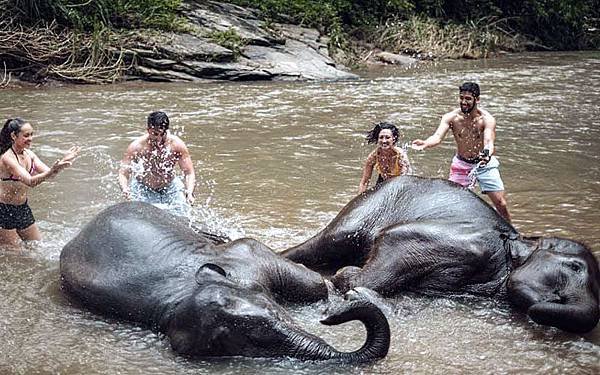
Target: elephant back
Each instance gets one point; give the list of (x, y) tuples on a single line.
[(125, 251), (416, 199)]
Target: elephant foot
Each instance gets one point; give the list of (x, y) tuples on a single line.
[(343, 279)]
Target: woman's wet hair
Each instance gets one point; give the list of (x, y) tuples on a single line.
[(12, 125), (471, 87), (373, 135), (158, 120)]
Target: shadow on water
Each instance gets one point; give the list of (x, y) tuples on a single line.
[(276, 161)]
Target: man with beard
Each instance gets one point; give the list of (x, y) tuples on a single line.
[(147, 170), (474, 131)]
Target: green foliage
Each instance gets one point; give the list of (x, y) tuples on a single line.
[(324, 14), (372, 12), (336, 18), (309, 13), (555, 22), (559, 24), (229, 39), (90, 15)]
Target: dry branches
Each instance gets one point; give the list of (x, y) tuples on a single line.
[(51, 52), (5, 78)]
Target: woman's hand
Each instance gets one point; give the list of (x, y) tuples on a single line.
[(67, 160), (71, 155)]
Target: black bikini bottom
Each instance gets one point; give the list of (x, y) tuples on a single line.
[(15, 217)]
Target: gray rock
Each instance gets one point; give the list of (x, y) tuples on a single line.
[(395, 59), (209, 16), (277, 52), (295, 61)]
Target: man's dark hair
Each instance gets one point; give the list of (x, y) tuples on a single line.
[(158, 120), (471, 87), (373, 135)]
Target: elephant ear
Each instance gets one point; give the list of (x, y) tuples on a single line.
[(209, 268)]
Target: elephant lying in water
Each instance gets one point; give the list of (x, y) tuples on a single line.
[(136, 262), (434, 237)]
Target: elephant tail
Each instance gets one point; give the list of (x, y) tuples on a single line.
[(376, 345)]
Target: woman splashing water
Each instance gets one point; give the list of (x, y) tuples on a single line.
[(21, 169), (389, 160)]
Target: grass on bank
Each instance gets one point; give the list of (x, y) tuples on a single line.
[(459, 28), (89, 15), (80, 41), (428, 38), (229, 39)]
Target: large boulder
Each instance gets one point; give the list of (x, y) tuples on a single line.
[(267, 51)]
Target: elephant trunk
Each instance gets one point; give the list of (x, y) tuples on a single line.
[(569, 312), (568, 317), (376, 346)]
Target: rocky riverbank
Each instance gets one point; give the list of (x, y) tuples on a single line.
[(263, 51), (276, 52)]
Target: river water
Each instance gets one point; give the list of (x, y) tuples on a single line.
[(276, 161)]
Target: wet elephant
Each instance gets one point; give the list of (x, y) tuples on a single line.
[(434, 237), (136, 262)]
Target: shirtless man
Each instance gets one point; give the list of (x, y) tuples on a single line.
[(151, 161), (474, 131)]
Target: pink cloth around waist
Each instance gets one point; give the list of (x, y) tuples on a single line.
[(460, 172)]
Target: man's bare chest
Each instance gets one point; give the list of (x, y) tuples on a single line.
[(156, 159), (468, 130)]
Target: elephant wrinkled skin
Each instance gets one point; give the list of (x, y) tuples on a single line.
[(434, 237), (136, 262)]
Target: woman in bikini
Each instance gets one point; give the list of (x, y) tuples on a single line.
[(21, 169), (389, 160)]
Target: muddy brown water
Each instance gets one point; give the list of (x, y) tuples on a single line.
[(276, 161)]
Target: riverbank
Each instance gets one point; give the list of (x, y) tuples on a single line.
[(206, 41), (220, 41)]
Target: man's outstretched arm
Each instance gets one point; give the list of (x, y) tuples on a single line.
[(437, 137)]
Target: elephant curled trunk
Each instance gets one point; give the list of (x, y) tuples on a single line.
[(376, 344)]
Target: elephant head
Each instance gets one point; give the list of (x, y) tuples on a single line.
[(220, 319), (557, 284)]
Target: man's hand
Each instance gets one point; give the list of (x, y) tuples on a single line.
[(484, 155), (189, 197), (418, 144)]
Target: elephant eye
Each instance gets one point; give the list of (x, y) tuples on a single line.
[(575, 266)]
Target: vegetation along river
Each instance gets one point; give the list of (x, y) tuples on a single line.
[(276, 161)]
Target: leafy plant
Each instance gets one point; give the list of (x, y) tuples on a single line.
[(88, 15), (229, 39), (562, 24)]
